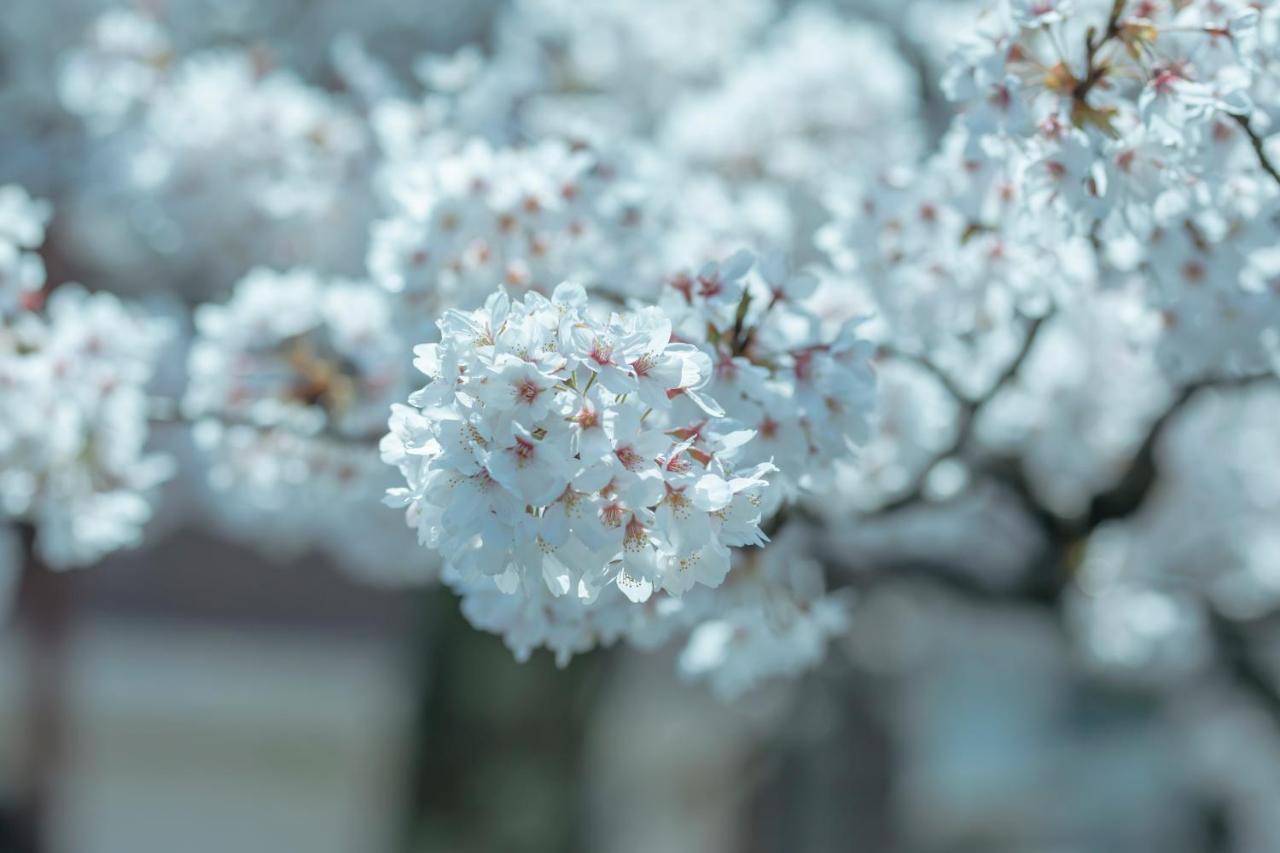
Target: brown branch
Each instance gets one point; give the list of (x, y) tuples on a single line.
[(1238, 654), (1135, 485), (970, 408), (926, 364), (1047, 575), (1094, 73), (1259, 147)]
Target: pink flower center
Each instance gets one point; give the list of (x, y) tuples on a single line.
[(635, 537), (709, 285), (804, 365), (527, 391), (684, 284), (611, 515), (601, 354), (629, 458), (678, 464)]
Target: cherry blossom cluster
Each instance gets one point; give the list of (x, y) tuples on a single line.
[(293, 349), (73, 404), (619, 62), (22, 226), (566, 465), (1135, 122), (553, 449)]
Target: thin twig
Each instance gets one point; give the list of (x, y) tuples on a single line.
[(1094, 73), (929, 366)]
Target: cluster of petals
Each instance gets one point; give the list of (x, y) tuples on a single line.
[(74, 371), (1136, 124), (584, 476), (552, 448), (803, 385)]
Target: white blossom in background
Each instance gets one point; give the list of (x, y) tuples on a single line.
[(622, 63), (1129, 626), (22, 226), (527, 218), (123, 60), (289, 384), (555, 65), (821, 95), (915, 420), (41, 145), (73, 406), (295, 350), (464, 217), (211, 162)]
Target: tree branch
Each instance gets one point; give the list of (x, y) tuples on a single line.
[(1258, 146), (970, 408), (1047, 576), (1131, 491), (926, 364), (1248, 671), (45, 612)]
